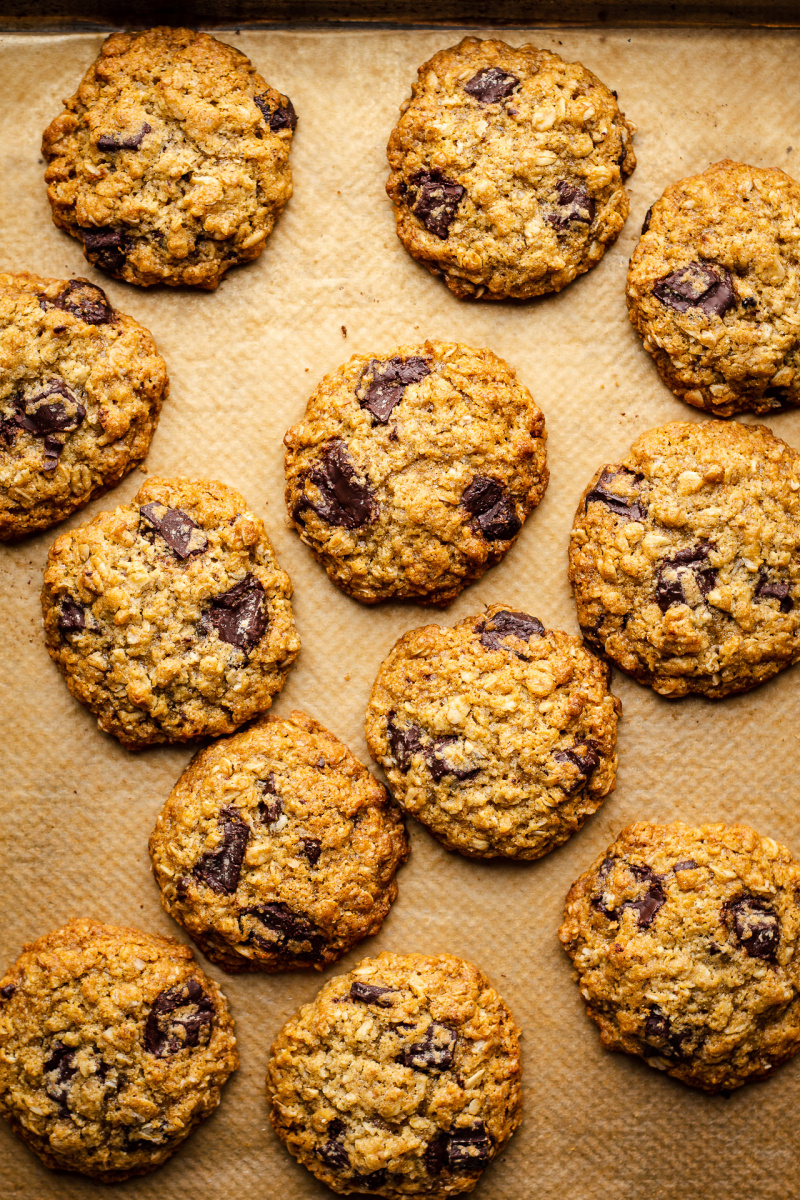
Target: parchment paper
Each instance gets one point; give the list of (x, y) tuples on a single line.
[(77, 809)]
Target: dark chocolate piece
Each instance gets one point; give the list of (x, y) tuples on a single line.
[(491, 85), (755, 925), (661, 1037), (573, 204), (8, 990), (84, 300), (388, 384), (372, 1181), (179, 531), (646, 905), (343, 500), (687, 864), (283, 117), (622, 506), (673, 571), (332, 1152), (311, 848), (465, 1151), (372, 993), (773, 589), (506, 624), (41, 415), (435, 199), (271, 807), (71, 617), (438, 764), (179, 1017), (288, 928), (58, 1071), (646, 221), (403, 743), (435, 1051), (494, 513), (584, 756), (221, 869), (108, 247), (238, 615), (697, 286), (121, 141)]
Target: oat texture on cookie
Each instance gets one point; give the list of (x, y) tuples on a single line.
[(277, 850), (170, 163), (497, 734), (412, 472), (684, 558), (113, 1046), (169, 617), (507, 170), (81, 387), (714, 288), (685, 944), (402, 1078)]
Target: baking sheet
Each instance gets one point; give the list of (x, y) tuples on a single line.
[(77, 809)]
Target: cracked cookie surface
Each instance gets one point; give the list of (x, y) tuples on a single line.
[(412, 472), (277, 850), (497, 734), (81, 388), (402, 1078), (113, 1046), (507, 169), (684, 558), (714, 288), (169, 617), (685, 943), (170, 164)]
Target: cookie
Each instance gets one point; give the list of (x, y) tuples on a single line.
[(714, 288), (413, 471), (81, 387), (497, 734), (684, 558), (685, 942), (277, 849), (169, 617), (170, 163), (113, 1046), (401, 1078), (507, 170)]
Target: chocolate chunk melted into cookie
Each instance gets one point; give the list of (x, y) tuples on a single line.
[(372, 1181), (84, 300), (584, 756), (108, 247), (403, 743), (271, 807), (58, 1071), (772, 589), (573, 203), (464, 1151), (622, 506), (42, 415), (178, 530), (71, 617), (311, 848), (646, 221), (180, 1017), (238, 615), (120, 141), (435, 1051), (494, 513), (332, 1152), (372, 993), (435, 200), (221, 869), (491, 85), (660, 1036), (441, 760), (495, 630), (646, 905), (674, 573), (283, 117), (755, 925), (8, 990), (343, 500), (697, 286), (387, 384), (688, 864), (290, 932)]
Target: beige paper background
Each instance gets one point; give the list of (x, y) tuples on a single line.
[(77, 809)]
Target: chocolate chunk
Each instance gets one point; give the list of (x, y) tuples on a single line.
[(238, 615), (434, 1052), (179, 1017), (697, 286), (8, 990), (755, 926), (178, 530), (506, 624), (622, 506), (688, 864), (584, 756), (491, 85), (220, 869), (343, 500), (388, 382), (403, 743), (438, 763), (646, 905), (646, 221), (291, 932), (332, 1152), (772, 589), (435, 199), (372, 993), (673, 572), (71, 617), (271, 807), (58, 1071), (84, 300), (494, 513), (108, 247), (121, 141), (283, 117), (311, 848), (42, 416), (182, 886), (573, 204), (660, 1036), (463, 1150), (371, 1182)]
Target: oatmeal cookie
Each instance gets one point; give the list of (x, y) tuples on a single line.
[(497, 734), (684, 558), (413, 471), (113, 1046), (507, 170), (81, 388), (277, 849), (169, 617), (170, 164), (686, 944), (714, 288), (401, 1078)]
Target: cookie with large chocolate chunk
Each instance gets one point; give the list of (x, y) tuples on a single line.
[(686, 943), (169, 617), (507, 170), (401, 1078), (81, 389), (713, 288), (685, 558), (498, 734), (113, 1046), (277, 850), (412, 472), (170, 164)]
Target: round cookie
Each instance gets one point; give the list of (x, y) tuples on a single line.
[(497, 734), (684, 558), (401, 1078), (81, 388), (507, 169), (170, 164), (714, 288), (412, 472), (277, 849), (113, 1046), (685, 942), (169, 617)]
